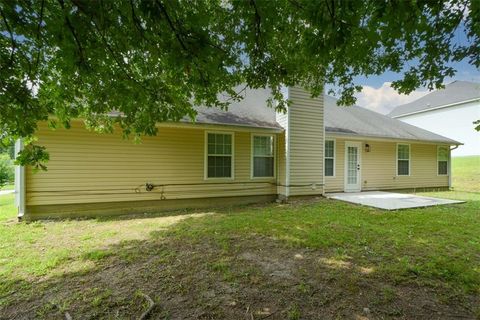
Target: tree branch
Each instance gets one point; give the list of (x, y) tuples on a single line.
[(12, 39), (110, 49), (72, 30), (258, 21), (40, 19), (136, 21), (180, 40), (172, 26)]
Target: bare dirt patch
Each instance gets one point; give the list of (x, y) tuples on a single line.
[(254, 278)]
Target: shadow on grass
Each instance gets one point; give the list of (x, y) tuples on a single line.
[(202, 268)]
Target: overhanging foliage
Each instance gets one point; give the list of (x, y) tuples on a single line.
[(152, 60)]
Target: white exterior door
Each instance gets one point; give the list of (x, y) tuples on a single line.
[(353, 152)]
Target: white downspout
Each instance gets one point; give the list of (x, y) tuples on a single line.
[(19, 182), (450, 166), (287, 162)]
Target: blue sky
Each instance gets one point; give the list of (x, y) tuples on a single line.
[(379, 96), (465, 71)]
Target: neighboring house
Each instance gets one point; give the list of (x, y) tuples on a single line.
[(244, 155), (449, 112)]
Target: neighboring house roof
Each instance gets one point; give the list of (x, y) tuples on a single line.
[(358, 121), (453, 93)]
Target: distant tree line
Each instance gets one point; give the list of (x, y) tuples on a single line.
[(7, 171)]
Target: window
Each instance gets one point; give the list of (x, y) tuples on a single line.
[(263, 159), (219, 155), (442, 160), (329, 158), (403, 159)]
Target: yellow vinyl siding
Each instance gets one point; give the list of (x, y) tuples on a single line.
[(86, 167), (378, 170), (306, 143)]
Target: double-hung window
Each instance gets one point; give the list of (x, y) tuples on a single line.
[(263, 156), (219, 155), (403, 159), (442, 160), (329, 158)]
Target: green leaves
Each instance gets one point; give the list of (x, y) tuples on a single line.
[(153, 60), (34, 155)]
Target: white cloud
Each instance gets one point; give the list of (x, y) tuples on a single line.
[(385, 98)]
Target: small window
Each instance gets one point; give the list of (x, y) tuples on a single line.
[(219, 155), (263, 156), (442, 160), (329, 158), (403, 159)]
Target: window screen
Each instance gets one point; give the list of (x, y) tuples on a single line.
[(263, 156), (329, 158), (442, 160), (219, 157), (403, 160)]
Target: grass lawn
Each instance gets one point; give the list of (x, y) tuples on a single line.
[(466, 173), (309, 259), (9, 186)]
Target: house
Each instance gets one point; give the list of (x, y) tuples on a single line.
[(247, 154), (449, 112)]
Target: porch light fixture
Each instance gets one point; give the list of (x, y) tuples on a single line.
[(367, 147)]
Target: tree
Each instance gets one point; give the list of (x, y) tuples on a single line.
[(152, 60), (6, 170)]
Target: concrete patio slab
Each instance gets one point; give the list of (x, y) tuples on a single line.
[(389, 200)]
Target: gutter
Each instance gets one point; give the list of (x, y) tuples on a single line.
[(343, 135), (236, 127), (435, 108), (19, 182)]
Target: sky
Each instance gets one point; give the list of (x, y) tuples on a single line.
[(378, 96)]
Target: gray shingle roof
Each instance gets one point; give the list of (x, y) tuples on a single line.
[(454, 92), (252, 111), (358, 121)]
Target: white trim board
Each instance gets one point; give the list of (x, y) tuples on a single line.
[(358, 145)]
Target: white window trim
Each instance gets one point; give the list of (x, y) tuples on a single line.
[(409, 160), (205, 158), (334, 157), (252, 155), (448, 161)]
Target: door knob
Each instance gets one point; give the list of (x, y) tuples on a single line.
[(358, 167)]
